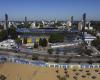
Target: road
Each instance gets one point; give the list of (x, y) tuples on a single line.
[(53, 57)]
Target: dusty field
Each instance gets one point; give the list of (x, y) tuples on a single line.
[(28, 72)]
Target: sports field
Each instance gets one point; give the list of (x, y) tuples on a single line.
[(28, 72)]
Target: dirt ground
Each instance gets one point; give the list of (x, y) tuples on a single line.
[(28, 72)]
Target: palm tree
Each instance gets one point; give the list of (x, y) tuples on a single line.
[(75, 77), (74, 70), (88, 74), (77, 73), (96, 70), (80, 70), (83, 76), (87, 71), (93, 77)]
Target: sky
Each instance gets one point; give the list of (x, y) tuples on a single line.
[(50, 9)]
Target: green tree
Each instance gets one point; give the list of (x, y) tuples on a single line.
[(34, 56), (25, 25), (40, 42), (43, 42), (12, 32), (18, 41), (35, 45), (37, 24), (96, 42), (50, 51), (3, 35), (54, 38), (41, 25)]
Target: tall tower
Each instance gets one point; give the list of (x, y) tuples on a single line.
[(72, 20), (6, 22), (84, 24)]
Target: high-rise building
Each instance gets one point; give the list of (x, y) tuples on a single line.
[(25, 19)]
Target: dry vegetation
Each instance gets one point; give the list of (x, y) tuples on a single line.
[(27, 72)]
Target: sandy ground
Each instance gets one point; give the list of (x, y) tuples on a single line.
[(28, 72)]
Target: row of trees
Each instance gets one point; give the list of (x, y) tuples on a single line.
[(42, 42), (96, 25), (3, 35), (10, 32), (25, 25), (54, 38), (96, 43)]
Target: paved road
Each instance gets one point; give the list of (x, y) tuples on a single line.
[(53, 57)]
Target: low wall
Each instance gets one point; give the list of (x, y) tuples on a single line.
[(44, 64)]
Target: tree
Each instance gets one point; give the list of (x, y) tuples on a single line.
[(34, 56), (3, 35), (2, 77), (43, 42), (40, 42), (12, 32), (41, 25), (88, 52), (37, 24), (96, 25), (54, 38), (35, 45), (96, 42), (18, 41), (50, 51), (90, 61), (1, 26), (25, 25)]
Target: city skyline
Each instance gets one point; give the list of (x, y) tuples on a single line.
[(49, 9)]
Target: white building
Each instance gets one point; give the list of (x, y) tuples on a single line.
[(9, 24), (98, 34), (89, 38), (33, 25), (8, 44), (69, 24), (87, 26), (80, 26)]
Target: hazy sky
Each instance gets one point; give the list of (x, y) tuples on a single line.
[(49, 9)]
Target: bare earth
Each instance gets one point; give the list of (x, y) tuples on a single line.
[(28, 72)]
